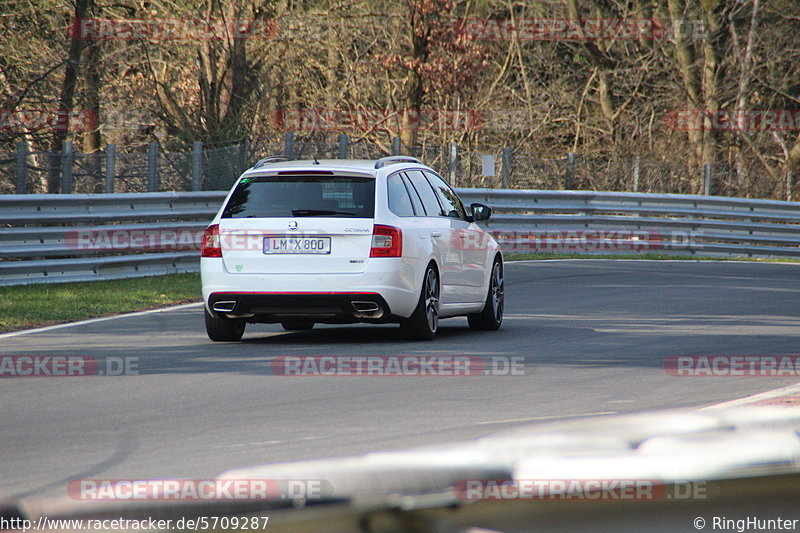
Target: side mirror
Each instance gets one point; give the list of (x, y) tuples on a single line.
[(480, 212)]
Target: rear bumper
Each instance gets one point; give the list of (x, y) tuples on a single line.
[(390, 281), (333, 307)]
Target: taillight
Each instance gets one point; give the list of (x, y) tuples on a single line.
[(210, 246), (387, 241)]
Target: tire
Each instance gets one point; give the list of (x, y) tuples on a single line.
[(424, 322), (297, 324), (224, 329), (492, 315)]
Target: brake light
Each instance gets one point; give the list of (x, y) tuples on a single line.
[(210, 246), (387, 241)]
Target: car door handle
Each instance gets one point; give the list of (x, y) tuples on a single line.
[(436, 234)]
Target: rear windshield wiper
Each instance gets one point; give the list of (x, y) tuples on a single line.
[(319, 213)]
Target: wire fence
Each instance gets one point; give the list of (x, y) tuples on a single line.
[(216, 168)]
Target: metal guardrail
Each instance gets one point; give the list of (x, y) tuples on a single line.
[(56, 238), (79, 237), (591, 222)]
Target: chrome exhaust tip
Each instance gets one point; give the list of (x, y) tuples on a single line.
[(367, 309), (224, 306)]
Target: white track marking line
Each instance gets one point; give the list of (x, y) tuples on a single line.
[(100, 319), (768, 395), (506, 421), (512, 261)]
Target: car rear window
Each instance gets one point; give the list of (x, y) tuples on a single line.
[(302, 196)]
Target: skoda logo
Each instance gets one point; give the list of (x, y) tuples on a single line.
[(292, 224)]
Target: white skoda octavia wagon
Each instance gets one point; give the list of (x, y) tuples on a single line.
[(344, 241)]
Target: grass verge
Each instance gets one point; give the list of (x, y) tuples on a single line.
[(43, 304)]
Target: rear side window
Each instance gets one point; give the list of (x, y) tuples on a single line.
[(399, 201), (302, 196), (425, 193), (449, 199), (415, 201)]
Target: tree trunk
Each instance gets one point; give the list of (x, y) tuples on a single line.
[(791, 168), (76, 46), (745, 74), (92, 140), (415, 87), (685, 56)]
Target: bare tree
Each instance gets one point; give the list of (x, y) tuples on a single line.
[(65, 100)]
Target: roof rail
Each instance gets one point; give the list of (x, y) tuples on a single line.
[(272, 159), (392, 159)]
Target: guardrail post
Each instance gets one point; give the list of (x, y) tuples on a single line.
[(707, 179), (344, 143), (22, 168), (197, 166), (569, 176), (152, 167), (452, 164), (636, 170), (111, 167), (395, 145), (67, 158), (288, 144), (244, 148), (506, 171)]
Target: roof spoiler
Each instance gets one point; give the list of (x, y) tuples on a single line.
[(272, 159), (393, 159)]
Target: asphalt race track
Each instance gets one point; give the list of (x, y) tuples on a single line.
[(594, 336)]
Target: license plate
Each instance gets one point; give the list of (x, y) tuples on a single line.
[(297, 245)]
